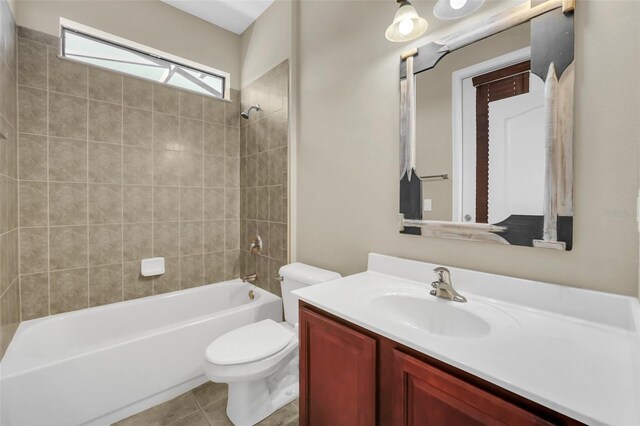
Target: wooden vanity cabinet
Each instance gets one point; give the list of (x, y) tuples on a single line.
[(351, 376)]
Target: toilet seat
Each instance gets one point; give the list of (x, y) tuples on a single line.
[(250, 343), (252, 370)]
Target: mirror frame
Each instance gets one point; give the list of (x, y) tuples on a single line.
[(552, 59)]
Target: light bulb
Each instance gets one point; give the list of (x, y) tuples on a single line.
[(457, 4), (406, 26)]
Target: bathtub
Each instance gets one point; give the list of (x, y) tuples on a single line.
[(102, 364)]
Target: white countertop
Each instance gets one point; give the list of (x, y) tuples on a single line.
[(574, 351)]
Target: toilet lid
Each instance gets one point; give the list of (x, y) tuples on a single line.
[(249, 343)]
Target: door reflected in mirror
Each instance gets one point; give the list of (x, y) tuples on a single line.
[(480, 136)]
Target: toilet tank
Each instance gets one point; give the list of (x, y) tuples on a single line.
[(298, 275)]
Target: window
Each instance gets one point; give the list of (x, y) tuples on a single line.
[(84, 44)]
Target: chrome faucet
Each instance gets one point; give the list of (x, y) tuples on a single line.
[(251, 278), (443, 287)]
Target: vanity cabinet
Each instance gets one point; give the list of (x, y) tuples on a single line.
[(351, 376)]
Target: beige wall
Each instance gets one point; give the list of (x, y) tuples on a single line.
[(348, 151), (151, 23), (434, 114), (267, 42), (9, 283)]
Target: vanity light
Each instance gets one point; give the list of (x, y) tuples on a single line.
[(407, 24), (455, 9)]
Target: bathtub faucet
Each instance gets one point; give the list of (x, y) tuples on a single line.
[(251, 278)]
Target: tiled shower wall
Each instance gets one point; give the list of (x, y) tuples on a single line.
[(9, 289), (264, 175), (114, 169)]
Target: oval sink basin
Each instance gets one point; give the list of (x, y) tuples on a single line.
[(437, 316)]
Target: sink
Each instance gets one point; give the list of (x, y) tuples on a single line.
[(436, 316)]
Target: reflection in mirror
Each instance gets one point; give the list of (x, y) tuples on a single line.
[(480, 141)]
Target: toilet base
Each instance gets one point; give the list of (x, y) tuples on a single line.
[(250, 402)]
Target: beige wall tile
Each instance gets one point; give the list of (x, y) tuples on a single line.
[(134, 284), (105, 284), (166, 203), (276, 204), (191, 271), (166, 239), (9, 261), (67, 116), (213, 203), (105, 244), (214, 139), (191, 105), (166, 131), (66, 76), (33, 203), (137, 92), (166, 99), (231, 203), (105, 163), (137, 127), (105, 122), (213, 235), (137, 241), (70, 247), (32, 110), (262, 169), (9, 314), (34, 250), (166, 167), (191, 204), (191, 135), (137, 165), (191, 238), (33, 157), (170, 280), (214, 267), (69, 290), (67, 160), (278, 234), (232, 264), (232, 172), (214, 110), (32, 64), (232, 141), (105, 85), (8, 149), (105, 203), (137, 203), (34, 295), (214, 171), (67, 203), (262, 203), (191, 169), (232, 234)]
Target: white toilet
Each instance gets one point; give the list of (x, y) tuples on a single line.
[(260, 361)]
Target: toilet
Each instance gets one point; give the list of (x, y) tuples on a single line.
[(260, 361)]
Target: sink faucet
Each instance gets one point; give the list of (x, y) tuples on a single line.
[(444, 288)]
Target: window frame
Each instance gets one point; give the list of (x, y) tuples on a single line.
[(110, 39)]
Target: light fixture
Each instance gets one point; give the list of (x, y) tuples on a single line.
[(407, 24), (455, 9)]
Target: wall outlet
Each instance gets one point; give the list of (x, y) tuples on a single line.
[(426, 205)]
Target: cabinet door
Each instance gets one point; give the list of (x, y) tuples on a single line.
[(425, 395), (337, 373)]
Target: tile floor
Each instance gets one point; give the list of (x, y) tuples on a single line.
[(203, 406)]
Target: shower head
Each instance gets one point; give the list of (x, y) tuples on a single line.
[(245, 114)]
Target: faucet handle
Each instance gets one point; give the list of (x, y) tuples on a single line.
[(435, 284)]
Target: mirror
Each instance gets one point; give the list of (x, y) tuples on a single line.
[(480, 132), (486, 130)]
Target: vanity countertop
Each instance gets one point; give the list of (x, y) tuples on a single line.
[(572, 350)]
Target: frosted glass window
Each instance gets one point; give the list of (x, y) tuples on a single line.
[(84, 48)]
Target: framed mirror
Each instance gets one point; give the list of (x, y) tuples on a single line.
[(487, 131)]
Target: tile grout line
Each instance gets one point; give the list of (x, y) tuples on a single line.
[(87, 195), (122, 185)]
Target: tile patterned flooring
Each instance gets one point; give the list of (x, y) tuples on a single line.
[(203, 406)]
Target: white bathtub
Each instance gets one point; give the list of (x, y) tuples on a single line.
[(102, 364)]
